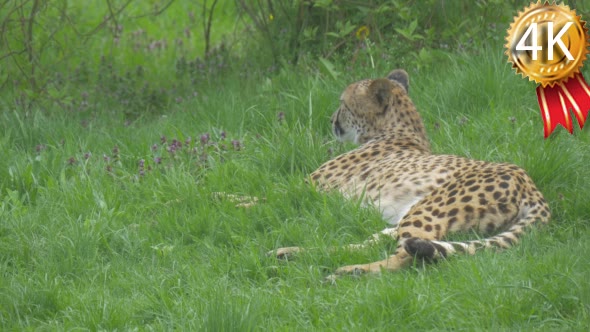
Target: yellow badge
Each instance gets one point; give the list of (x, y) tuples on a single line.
[(548, 43)]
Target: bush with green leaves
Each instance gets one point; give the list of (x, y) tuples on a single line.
[(291, 29), (142, 55)]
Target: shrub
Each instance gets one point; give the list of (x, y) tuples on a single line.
[(69, 54), (328, 27)]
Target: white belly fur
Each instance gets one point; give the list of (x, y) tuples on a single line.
[(394, 210)]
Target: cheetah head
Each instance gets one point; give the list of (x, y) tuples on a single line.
[(370, 108)]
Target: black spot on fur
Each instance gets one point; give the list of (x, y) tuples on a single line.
[(453, 212), (503, 208), (474, 188), (469, 183), (466, 199)]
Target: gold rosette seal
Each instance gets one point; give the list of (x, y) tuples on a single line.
[(548, 43)]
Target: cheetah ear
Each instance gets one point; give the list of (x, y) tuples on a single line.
[(400, 76), (381, 90)]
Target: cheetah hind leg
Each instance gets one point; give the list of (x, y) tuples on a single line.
[(425, 249), (399, 260), (406, 253)]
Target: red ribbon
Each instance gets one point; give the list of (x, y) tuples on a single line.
[(556, 101)]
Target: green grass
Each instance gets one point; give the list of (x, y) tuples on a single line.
[(83, 247)]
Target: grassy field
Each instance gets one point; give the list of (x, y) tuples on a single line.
[(110, 224), (92, 239)]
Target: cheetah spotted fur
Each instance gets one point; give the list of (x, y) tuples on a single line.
[(421, 195)]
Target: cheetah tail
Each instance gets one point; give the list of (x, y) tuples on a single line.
[(431, 250)]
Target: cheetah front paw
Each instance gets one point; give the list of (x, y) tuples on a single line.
[(349, 270), (354, 270), (241, 201), (284, 253)]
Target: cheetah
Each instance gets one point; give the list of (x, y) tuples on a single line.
[(422, 196)]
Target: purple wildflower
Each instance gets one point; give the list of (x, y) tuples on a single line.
[(141, 167), (205, 138), (176, 143), (236, 144)]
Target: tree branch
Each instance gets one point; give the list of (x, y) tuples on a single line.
[(208, 27)]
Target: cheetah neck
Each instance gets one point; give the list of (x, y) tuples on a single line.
[(401, 124), (403, 138), (411, 142)]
